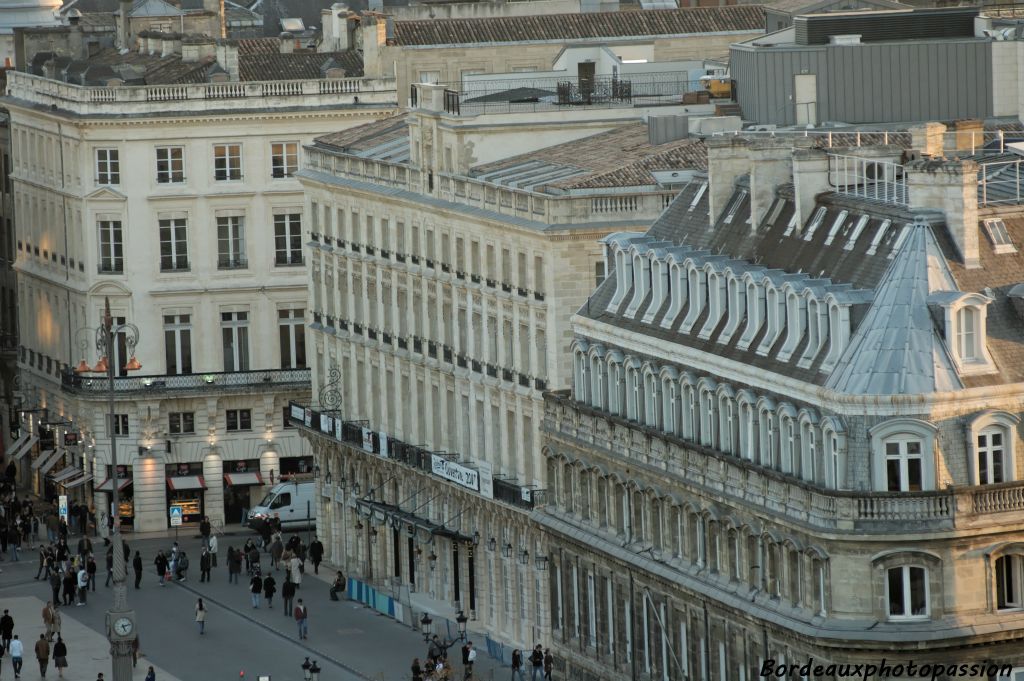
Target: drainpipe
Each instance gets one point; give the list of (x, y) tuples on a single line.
[(632, 627)]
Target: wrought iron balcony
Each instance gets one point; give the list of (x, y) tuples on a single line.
[(225, 381)]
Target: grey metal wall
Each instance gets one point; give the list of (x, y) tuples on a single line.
[(868, 83)]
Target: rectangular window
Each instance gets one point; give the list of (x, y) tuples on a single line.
[(907, 591), (291, 330), (108, 167), (173, 245), (111, 247), (904, 466), (990, 457), (170, 165), (1008, 582), (287, 418), (284, 159), (235, 335), (120, 424), (231, 243), (227, 162), (995, 228), (288, 239), (239, 419), (178, 343), (180, 423)]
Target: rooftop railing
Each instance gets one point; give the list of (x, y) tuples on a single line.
[(129, 99), (169, 383)]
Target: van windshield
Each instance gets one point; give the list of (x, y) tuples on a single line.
[(267, 499)]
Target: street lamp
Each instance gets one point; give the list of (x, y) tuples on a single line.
[(461, 620), (120, 620), (307, 670), (425, 627), (314, 671)]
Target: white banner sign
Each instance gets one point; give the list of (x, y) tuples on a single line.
[(325, 424), (337, 429), (383, 439), (298, 413), (486, 479), (460, 475), (367, 440)]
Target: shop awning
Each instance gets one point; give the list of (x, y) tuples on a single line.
[(21, 445), (47, 461), (78, 482), (186, 482), (67, 473), (25, 448), (241, 479), (107, 486)]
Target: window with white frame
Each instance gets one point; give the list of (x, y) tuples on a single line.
[(178, 343), (173, 244), (170, 165), (903, 458), (235, 337), (708, 417), (995, 229), (111, 243), (965, 330), (227, 162), (291, 326), (635, 396), (1009, 578), (181, 423), (990, 446), (907, 592), (108, 167), (904, 463), (727, 424), (991, 455), (284, 159), (768, 450), (967, 334), (787, 443), (670, 405), (288, 239), (231, 242)]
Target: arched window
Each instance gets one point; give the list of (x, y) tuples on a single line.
[(652, 399), (903, 453), (598, 379), (793, 576), (568, 498), (991, 436), (833, 436), (678, 293), (690, 410), (768, 434), (789, 452), (748, 427), (818, 582), (584, 494), (910, 585), (698, 293), (728, 421), (708, 413), (616, 384), (656, 524), (581, 365), (967, 334), (670, 403), (733, 548)]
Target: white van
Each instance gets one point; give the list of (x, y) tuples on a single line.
[(287, 500)]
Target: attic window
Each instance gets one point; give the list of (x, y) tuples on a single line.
[(857, 229), (840, 220), (699, 195), (734, 207), (791, 226), (997, 233), (879, 235), (776, 209), (816, 220), (900, 238)]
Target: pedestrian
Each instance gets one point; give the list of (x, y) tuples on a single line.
[(204, 565), (151, 674), (470, 659), (276, 551), (161, 566), (269, 589), (417, 670), (201, 616), (70, 584), (295, 570), (338, 586), (302, 619), (316, 554), (48, 619), (517, 665), (537, 660), (56, 622), (213, 549), (6, 629), (256, 588), (55, 581), (42, 564), (549, 663), (204, 531), (135, 651), (287, 594), (17, 653), (60, 656), (90, 568), (42, 654), (84, 547), (83, 586), (137, 566), (246, 552), (182, 571), (110, 566)]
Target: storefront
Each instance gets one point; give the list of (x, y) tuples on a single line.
[(240, 479), (185, 488), (294, 465), (125, 493)]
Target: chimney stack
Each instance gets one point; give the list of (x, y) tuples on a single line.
[(124, 32), (216, 7), (287, 43)]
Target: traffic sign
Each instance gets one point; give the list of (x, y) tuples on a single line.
[(62, 506), (176, 516)]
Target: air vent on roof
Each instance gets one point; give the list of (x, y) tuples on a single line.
[(697, 197), (816, 220), (849, 39), (840, 219), (879, 235), (900, 238), (858, 228)]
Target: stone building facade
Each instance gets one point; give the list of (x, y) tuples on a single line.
[(793, 431)]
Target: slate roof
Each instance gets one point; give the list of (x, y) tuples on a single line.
[(622, 157), (363, 138), (796, 7), (261, 59), (132, 67), (562, 27)]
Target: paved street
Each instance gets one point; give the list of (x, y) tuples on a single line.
[(349, 641)]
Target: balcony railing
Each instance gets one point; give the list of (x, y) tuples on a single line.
[(704, 469), (226, 263), (226, 380)]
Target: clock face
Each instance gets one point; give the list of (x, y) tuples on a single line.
[(123, 626)]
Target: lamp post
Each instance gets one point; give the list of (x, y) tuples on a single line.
[(120, 620)]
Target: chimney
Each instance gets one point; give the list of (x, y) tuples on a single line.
[(970, 135), (662, 129), (189, 51), (810, 177), (287, 43), (227, 57), (166, 45), (216, 7), (952, 187), (124, 33), (373, 31), (727, 160), (928, 139), (771, 165)]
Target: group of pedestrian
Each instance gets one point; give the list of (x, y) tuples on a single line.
[(12, 645), (541, 662)]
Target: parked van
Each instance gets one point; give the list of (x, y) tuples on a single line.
[(288, 501)]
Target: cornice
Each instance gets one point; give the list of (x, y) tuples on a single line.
[(263, 117)]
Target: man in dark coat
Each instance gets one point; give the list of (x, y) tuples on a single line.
[(287, 595), (316, 554), (204, 530), (205, 563), (6, 629)]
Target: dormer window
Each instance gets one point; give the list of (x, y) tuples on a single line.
[(967, 334), (857, 229), (965, 330), (698, 195), (836, 226), (816, 220), (997, 233), (678, 294)]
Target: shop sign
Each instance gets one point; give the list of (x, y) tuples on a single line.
[(525, 493), (337, 429), (460, 475), (382, 438), (486, 480), (325, 423), (122, 472), (241, 466), (183, 469), (62, 507), (297, 413), (368, 440), (70, 439), (307, 417)]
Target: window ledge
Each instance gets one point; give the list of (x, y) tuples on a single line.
[(976, 367), (901, 619)]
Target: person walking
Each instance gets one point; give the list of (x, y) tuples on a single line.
[(417, 670), (213, 550), (256, 588), (83, 586), (201, 616), (205, 564), (537, 660), (276, 550), (60, 656), (316, 554), (302, 619), (90, 568), (287, 595), (517, 665), (110, 567), (151, 674), (48, 620), (470, 659), (55, 586), (161, 566), (338, 586), (42, 654), (549, 663), (137, 566), (295, 571), (42, 565), (269, 589), (70, 584), (204, 530), (234, 565), (17, 654), (6, 629)]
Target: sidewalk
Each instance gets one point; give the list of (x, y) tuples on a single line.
[(88, 651)]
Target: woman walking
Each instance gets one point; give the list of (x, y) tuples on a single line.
[(60, 656), (201, 616), (151, 675)]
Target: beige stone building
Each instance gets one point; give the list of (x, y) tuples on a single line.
[(794, 426), (448, 253)]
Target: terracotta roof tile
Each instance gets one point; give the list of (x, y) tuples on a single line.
[(265, 65), (580, 26)]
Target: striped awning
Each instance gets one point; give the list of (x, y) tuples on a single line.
[(47, 460), (243, 479), (18, 444), (67, 473), (77, 482), (107, 485), (24, 448), (183, 482)]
